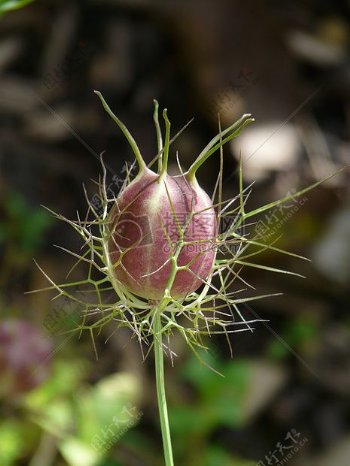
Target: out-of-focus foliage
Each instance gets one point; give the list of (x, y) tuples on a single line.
[(83, 427), (22, 228), (24, 357), (9, 5), (226, 395), (221, 398), (297, 334), (216, 455)]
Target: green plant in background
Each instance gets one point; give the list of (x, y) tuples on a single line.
[(80, 427), (216, 403), (298, 333), (21, 232), (160, 254), (10, 5)]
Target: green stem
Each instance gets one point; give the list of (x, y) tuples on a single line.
[(125, 131), (166, 143), (159, 135), (162, 404), (216, 143)]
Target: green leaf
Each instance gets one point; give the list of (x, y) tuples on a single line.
[(22, 225), (221, 398), (9, 5), (189, 420), (58, 418), (78, 453), (65, 379), (16, 437), (35, 226), (88, 420), (102, 415), (298, 334), (10, 442), (216, 455)]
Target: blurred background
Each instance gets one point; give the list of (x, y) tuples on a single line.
[(285, 395)]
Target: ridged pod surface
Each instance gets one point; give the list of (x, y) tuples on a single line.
[(148, 219)]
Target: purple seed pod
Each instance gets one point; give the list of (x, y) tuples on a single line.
[(163, 235), (151, 216), (24, 357)]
